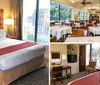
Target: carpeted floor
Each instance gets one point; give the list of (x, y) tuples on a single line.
[(73, 77), (38, 77)]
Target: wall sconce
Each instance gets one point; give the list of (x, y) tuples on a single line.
[(9, 22)]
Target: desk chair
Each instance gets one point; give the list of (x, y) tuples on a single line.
[(53, 38), (78, 32), (91, 67), (57, 74)]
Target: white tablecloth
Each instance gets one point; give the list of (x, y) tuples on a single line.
[(94, 30), (80, 40), (98, 25), (58, 31), (77, 24)]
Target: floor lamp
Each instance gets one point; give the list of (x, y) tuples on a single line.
[(8, 22)]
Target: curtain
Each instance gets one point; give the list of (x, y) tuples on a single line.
[(17, 13)]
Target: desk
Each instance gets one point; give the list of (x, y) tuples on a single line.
[(64, 68)]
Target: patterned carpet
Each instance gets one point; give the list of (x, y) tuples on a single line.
[(73, 77), (38, 77)]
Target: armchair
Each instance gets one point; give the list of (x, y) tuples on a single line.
[(53, 38), (91, 67)]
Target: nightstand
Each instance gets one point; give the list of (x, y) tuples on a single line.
[(12, 37)]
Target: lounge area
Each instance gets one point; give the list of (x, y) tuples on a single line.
[(71, 20), (73, 64)]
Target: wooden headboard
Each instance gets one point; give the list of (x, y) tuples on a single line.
[(1, 18)]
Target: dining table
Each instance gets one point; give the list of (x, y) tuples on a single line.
[(98, 25), (59, 31), (94, 30)]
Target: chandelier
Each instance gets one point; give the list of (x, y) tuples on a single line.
[(75, 1)]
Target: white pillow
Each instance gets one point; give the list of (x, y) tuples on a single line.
[(2, 33)]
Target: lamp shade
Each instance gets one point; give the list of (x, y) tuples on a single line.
[(8, 21)]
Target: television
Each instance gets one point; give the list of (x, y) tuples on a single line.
[(71, 58)]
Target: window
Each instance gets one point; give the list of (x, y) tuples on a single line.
[(59, 12), (87, 54), (29, 19), (65, 13), (43, 21), (80, 15), (54, 12), (95, 53), (36, 28)]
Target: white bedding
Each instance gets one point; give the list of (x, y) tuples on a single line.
[(18, 57)]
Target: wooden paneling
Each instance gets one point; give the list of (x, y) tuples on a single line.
[(1, 18), (82, 58)]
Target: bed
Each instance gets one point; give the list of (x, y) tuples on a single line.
[(18, 58), (91, 79)]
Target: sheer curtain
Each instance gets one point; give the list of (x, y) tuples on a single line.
[(17, 14)]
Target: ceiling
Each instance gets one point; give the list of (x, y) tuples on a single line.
[(95, 4)]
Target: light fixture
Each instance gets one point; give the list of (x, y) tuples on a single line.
[(8, 22), (73, 1)]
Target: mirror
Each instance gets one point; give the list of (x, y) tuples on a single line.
[(56, 58)]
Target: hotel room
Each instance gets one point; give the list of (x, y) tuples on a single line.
[(75, 64), (75, 21), (24, 42)]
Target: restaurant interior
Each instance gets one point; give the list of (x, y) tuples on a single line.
[(75, 21)]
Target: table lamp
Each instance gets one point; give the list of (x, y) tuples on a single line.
[(9, 22)]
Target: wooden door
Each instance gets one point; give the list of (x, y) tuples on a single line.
[(82, 58)]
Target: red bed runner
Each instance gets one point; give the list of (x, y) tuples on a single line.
[(88, 80), (16, 47)]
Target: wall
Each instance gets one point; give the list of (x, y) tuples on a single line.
[(5, 5), (63, 49), (59, 48), (75, 66)]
